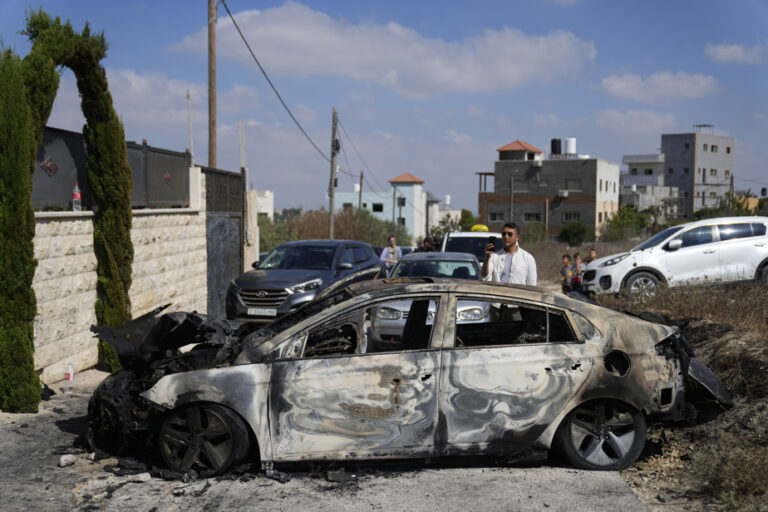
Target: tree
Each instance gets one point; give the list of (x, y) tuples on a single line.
[(467, 220), (444, 226), (19, 384), (574, 233), (109, 175), (625, 223)]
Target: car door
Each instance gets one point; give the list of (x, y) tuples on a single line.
[(508, 375), (696, 261), (740, 250), (336, 405)]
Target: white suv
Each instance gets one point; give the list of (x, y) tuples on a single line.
[(725, 249)]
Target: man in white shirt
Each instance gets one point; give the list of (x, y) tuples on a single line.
[(511, 264)]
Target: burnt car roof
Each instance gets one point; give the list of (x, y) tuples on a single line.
[(441, 256)]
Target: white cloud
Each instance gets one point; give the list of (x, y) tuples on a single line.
[(635, 121), (663, 87), (725, 53), (547, 120), (304, 114), (294, 39), (455, 137)]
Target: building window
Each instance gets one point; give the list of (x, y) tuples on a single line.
[(698, 171), (601, 181), (712, 194), (401, 221), (365, 205), (648, 172), (573, 184), (571, 216), (671, 170), (599, 216), (347, 206), (685, 194), (687, 145), (714, 148), (727, 173), (495, 216), (728, 149), (400, 201), (614, 186), (705, 147), (685, 170), (633, 172), (378, 207), (532, 217), (713, 172)]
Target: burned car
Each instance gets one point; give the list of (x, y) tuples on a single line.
[(543, 371)]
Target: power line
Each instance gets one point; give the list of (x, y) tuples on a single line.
[(263, 72), (365, 165)]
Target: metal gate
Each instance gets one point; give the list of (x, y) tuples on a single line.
[(224, 233)]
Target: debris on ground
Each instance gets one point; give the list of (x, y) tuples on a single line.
[(340, 476), (278, 475), (67, 460)]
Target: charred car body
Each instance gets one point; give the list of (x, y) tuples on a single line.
[(543, 370)]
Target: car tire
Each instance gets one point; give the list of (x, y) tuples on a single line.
[(207, 438), (764, 276), (602, 435), (642, 285)]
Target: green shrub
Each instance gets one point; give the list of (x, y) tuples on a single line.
[(19, 384), (533, 232), (574, 233), (625, 223)]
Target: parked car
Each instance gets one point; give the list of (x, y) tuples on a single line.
[(388, 321), (546, 371), (293, 273), (720, 250), (473, 242)]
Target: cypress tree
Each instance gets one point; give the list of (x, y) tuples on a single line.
[(19, 384), (109, 175)]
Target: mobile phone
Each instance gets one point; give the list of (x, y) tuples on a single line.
[(492, 240)]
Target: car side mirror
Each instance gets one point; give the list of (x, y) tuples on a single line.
[(345, 266), (255, 264), (674, 245)]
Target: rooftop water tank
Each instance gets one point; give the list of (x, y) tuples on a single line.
[(556, 147), (570, 145)]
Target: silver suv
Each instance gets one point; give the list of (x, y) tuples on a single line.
[(721, 250)]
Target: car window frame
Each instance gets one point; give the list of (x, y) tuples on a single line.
[(449, 338), (715, 235), (725, 225), (437, 335)]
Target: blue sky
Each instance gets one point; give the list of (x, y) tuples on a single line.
[(430, 88)]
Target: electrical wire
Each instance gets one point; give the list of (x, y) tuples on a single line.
[(365, 165), (266, 76)]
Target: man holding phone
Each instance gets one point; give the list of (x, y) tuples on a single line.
[(511, 264)]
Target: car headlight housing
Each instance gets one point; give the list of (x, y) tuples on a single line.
[(384, 313), (306, 286), (470, 314), (614, 260)]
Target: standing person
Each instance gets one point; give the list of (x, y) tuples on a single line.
[(512, 264), (566, 273), (578, 272), (426, 245), (390, 255), (592, 256)]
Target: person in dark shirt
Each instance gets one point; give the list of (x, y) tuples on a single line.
[(427, 245)]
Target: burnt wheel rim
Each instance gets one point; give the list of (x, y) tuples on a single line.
[(643, 288), (602, 435), (198, 438)]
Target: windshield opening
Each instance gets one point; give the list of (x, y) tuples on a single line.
[(299, 257), (472, 245), (657, 238), (457, 269)]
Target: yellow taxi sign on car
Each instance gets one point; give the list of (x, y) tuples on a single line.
[(479, 227)]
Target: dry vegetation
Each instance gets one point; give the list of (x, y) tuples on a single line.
[(720, 463)]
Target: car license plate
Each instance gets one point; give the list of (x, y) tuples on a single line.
[(262, 311)]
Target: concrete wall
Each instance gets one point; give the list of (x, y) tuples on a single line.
[(170, 266)]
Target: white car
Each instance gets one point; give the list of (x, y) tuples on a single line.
[(473, 242), (720, 250)]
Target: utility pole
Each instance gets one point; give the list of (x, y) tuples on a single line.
[(511, 197), (335, 146), (360, 193), (244, 191), (212, 83), (189, 122), (546, 218), (394, 196), (731, 194)]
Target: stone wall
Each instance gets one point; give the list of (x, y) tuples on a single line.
[(65, 287), (169, 266)]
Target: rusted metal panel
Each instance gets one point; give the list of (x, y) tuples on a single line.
[(223, 191)]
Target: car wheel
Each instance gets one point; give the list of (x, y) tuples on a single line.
[(207, 438), (764, 276), (602, 435), (642, 286)]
